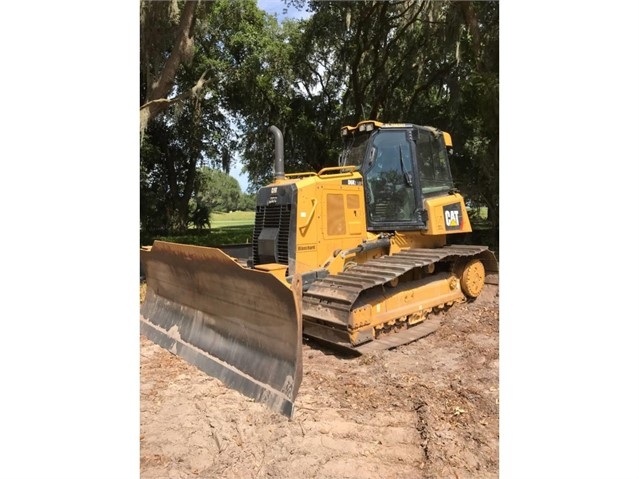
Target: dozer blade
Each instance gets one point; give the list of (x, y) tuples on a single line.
[(239, 325)]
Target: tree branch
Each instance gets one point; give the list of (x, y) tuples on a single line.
[(182, 49), (151, 108), (184, 43), (470, 18)]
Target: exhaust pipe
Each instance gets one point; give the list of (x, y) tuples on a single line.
[(278, 156)]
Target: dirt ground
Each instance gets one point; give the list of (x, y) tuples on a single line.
[(429, 409)]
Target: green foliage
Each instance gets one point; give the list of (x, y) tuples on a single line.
[(474, 108), (197, 130), (247, 202), (216, 190)]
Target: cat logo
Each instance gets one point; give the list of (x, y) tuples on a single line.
[(453, 216)]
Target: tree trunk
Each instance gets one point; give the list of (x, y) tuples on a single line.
[(470, 19), (182, 50)]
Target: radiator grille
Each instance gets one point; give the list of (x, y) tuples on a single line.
[(273, 216)]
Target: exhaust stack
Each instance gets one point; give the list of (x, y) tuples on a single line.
[(278, 155)]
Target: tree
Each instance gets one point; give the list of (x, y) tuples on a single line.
[(247, 202), (195, 128), (165, 45), (474, 106), (167, 177), (216, 190)]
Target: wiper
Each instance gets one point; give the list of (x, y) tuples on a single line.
[(343, 156), (407, 176)]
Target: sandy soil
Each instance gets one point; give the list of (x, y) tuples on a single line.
[(429, 409)]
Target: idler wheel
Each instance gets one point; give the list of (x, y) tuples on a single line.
[(472, 280)]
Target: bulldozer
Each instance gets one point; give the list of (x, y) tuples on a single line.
[(354, 256)]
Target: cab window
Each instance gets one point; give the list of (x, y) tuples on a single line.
[(432, 161), (389, 178)]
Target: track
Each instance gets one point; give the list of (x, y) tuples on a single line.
[(328, 303)]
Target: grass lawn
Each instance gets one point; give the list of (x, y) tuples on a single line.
[(480, 213), (226, 228), (234, 218)]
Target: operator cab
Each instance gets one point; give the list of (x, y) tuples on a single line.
[(402, 165)]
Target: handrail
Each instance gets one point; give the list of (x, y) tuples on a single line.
[(310, 216), (305, 173), (341, 169)]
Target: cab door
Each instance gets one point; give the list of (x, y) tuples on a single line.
[(393, 201)]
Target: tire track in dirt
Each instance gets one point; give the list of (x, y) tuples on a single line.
[(192, 426)]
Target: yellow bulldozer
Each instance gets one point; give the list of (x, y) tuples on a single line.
[(354, 256)]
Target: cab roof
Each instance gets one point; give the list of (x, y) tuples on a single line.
[(370, 125)]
